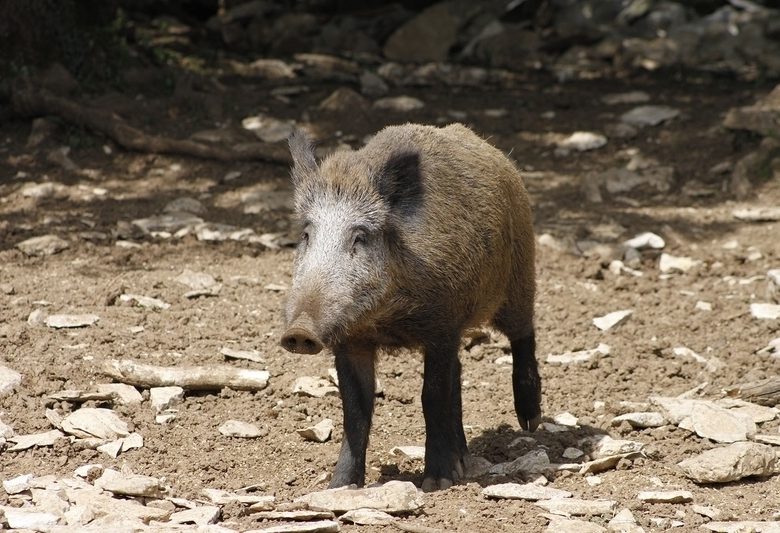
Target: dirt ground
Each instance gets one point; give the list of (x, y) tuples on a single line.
[(190, 454)]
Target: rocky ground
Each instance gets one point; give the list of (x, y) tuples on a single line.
[(657, 212)]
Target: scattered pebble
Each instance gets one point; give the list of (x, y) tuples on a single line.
[(533, 462), (527, 491), (641, 420), (583, 356), (100, 423), (314, 387), (43, 245), (129, 484), (666, 496), (758, 214), (196, 280), (124, 394), (577, 507), (23, 519), (236, 428), (583, 141), (572, 453), (367, 517), (247, 355), (318, 433), (23, 442), (612, 319), (765, 311), (648, 115), (201, 516), (144, 301), (670, 263), (18, 484), (71, 321), (730, 463), (646, 240), (703, 306), (163, 398), (414, 453), (269, 129), (9, 380), (624, 522), (710, 512)]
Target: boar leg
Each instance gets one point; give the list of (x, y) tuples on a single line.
[(457, 418), (443, 453), (526, 383), (355, 368)]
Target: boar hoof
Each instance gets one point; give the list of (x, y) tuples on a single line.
[(529, 424), (431, 484), (300, 340)]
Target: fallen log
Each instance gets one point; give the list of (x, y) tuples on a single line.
[(187, 377), (765, 392), (29, 102)]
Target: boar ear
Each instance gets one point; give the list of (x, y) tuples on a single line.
[(302, 152), (399, 180)]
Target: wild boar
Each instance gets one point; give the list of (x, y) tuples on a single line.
[(407, 242)]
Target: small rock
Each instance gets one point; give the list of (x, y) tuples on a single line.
[(367, 517), (414, 453), (200, 516), (648, 115), (185, 205), (236, 428), (603, 446), (129, 484), (314, 387), (703, 306), (43, 245), (144, 301), (196, 280), (22, 442), (631, 97), (565, 419), (613, 319), (570, 525), (710, 512), (165, 418), (757, 413), (303, 515), (223, 497), (774, 440), (344, 100), (577, 507), (269, 129), (641, 420), (125, 394), (572, 453), (743, 527), (71, 321), (646, 240), (23, 519), (6, 431), (247, 355), (624, 522), (392, 497), (401, 104), (88, 470), (275, 287), (582, 141), (732, 462), (583, 356), (90, 422), (320, 526), (167, 224), (666, 496), (720, 425), (318, 433), (593, 481), (163, 398), (528, 491), (765, 311), (758, 214), (18, 484), (112, 449), (9, 380), (533, 462), (372, 85), (670, 263)]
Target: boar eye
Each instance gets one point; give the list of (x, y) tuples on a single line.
[(359, 238), (304, 237)]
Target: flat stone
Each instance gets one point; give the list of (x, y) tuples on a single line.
[(533, 462), (86, 471), (303, 515), (415, 453), (24, 519), (710, 512), (648, 115), (765, 311), (565, 419), (246, 355), (674, 409), (646, 240), (582, 141), (624, 522), (144, 301), (343, 100), (577, 507), (95, 422), (71, 321), (320, 526), (758, 214), (730, 463), (185, 205), (571, 525), (773, 275), (670, 263), (314, 387), (703, 306), (761, 117), (579, 357), (572, 453), (125, 394), (401, 104), (641, 420), (236, 428), (223, 497), (527, 491), (129, 484), (9, 380), (167, 224), (774, 440), (392, 497), (720, 425), (319, 432), (23, 442), (612, 319), (163, 398), (6, 431), (743, 526), (605, 446), (18, 484), (200, 516), (757, 413), (367, 517), (196, 280), (666, 496), (43, 245)]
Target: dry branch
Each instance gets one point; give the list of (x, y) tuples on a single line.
[(187, 377), (30, 102), (765, 392)]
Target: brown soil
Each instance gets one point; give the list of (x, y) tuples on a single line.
[(190, 453)]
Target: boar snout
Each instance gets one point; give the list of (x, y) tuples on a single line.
[(299, 337)]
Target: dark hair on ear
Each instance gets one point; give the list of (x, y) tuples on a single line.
[(399, 181), (302, 152)]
